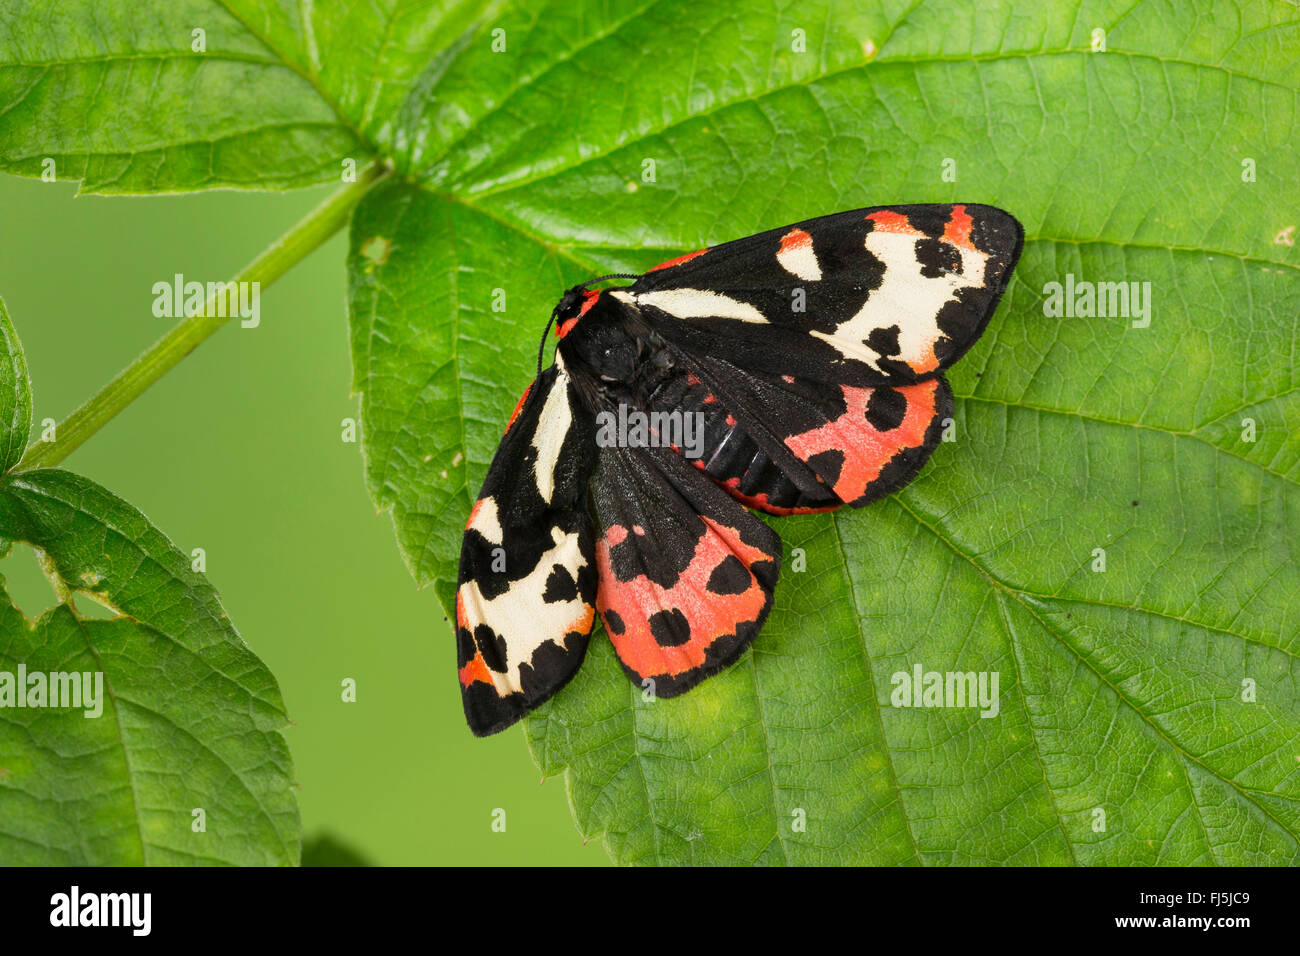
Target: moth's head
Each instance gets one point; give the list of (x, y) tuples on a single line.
[(575, 303)]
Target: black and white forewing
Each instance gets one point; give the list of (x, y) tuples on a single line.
[(526, 592), (887, 294)]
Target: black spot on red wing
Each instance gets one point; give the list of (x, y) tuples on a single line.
[(560, 586), (729, 577), (670, 628), (746, 631), (765, 572), (664, 564), (614, 622), (827, 464), (886, 409), (937, 258), (883, 341)]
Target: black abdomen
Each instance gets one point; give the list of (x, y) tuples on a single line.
[(727, 453)]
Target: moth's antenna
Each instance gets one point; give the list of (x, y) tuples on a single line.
[(541, 349), (613, 275)]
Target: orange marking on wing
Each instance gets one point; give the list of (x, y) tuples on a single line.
[(959, 228), (582, 623), (476, 669), (928, 361), (794, 239), (515, 414), (679, 260), (866, 450), (710, 616), (886, 220)]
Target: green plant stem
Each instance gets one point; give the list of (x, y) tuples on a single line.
[(274, 261)]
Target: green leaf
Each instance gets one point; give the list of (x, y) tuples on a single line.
[(15, 395), (1146, 713), (170, 749), (191, 718), (179, 95)]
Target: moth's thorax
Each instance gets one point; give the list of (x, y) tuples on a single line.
[(604, 338)]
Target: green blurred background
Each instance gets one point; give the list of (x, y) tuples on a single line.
[(239, 451)]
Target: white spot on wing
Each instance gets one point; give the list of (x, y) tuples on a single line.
[(486, 521), (699, 304), (521, 617), (552, 425), (904, 298), (796, 256)]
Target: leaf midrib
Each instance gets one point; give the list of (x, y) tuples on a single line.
[(134, 55), (142, 148), (82, 628), (871, 683), (541, 74), (803, 82), (311, 78), (1029, 725)]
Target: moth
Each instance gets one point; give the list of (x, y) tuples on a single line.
[(808, 359)]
